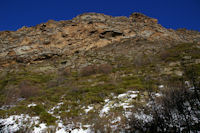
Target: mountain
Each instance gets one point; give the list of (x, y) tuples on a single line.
[(95, 73), (84, 32)]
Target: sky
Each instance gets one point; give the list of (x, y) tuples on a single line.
[(170, 13)]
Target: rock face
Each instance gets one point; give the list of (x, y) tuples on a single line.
[(82, 33)]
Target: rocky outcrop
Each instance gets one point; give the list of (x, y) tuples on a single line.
[(84, 32), (138, 17)]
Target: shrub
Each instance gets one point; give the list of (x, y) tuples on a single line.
[(37, 110), (44, 116), (141, 60), (104, 68), (88, 70), (164, 55), (52, 83), (177, 110), (27, 89), (47, 118), (93, 69), (65, 71), (170, 55)]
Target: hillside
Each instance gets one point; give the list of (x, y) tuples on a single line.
[(98, 73)]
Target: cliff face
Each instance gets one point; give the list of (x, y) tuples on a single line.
[(82, 33)]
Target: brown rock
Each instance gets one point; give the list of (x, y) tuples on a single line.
[(85, 32)]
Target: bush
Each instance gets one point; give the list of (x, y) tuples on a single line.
[(142, 60), (93, 69), (47, 118), (104, 68), (65, 71), (37, 110), (177, 110), (164, 55), (44, 116), (27, 89), (88, 70)]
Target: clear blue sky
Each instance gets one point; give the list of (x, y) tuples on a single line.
[(170, 13)]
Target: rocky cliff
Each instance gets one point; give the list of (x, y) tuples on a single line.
[(82, 33)]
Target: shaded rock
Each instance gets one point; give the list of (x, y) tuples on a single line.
[(110, 33)]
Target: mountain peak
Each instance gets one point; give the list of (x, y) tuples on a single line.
[(82, 33)]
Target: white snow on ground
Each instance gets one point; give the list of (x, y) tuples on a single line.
[(158, 94), (122, 100), (42, 127), (15, 122), (5, 107), (115, 123), (118, 119), (81, 131), (128, 114), (51, 111), (32, 105), (161, 86), (61, 131), (71, 128), (133, 95), (122, 95), (106, 108), (144, 117), (88, 109)]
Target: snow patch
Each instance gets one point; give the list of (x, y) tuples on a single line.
[(42, 127), (89, 108), (51, 111), (6, 107), (158, 95), (144, 117), (15, 122), (61, 131), (122, 100), (32, 105), (81, 131), (161, 86), (118, 119)]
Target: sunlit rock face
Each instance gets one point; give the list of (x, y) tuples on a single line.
[(84, 32)]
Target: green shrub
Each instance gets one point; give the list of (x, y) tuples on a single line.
[(37, 110), (47, 118), (27, 89), (131, 82), (119, 90), (179, 51), (93, 69)]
